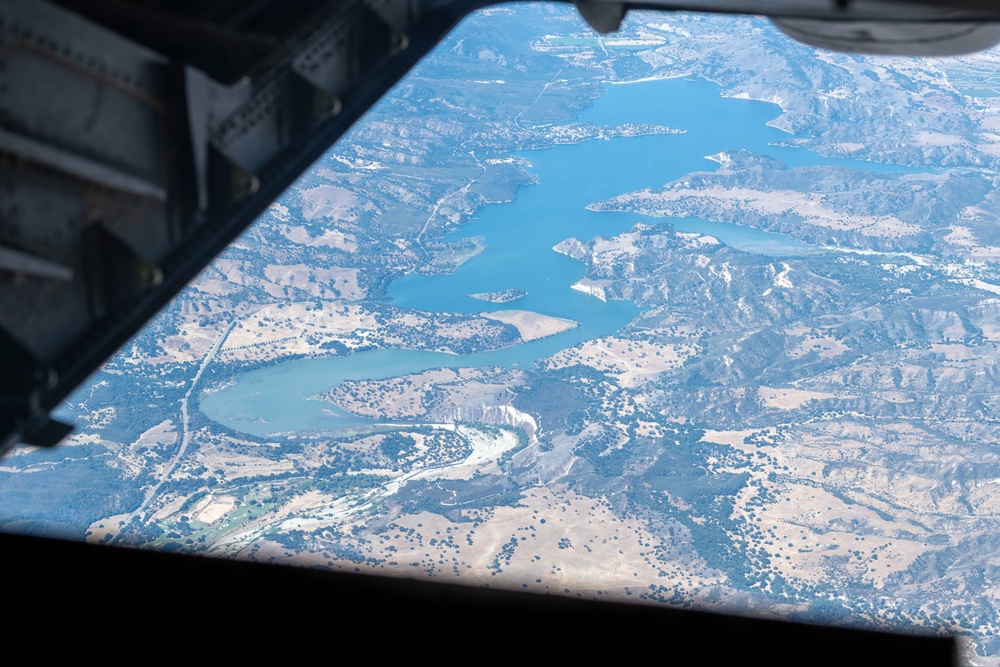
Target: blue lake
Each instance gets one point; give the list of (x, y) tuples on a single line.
[(520, 236)]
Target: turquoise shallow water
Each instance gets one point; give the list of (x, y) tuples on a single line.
[(520, 236)]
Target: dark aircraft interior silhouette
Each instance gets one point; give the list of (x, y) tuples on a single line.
[(139, 137)]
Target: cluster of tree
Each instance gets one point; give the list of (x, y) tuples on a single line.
[(601, 450), (397, 445), (336, 482), (70, 496), (505, 554)]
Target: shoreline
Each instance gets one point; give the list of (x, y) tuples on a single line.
[(647, 79)]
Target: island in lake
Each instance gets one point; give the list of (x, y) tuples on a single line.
[(505, 296)]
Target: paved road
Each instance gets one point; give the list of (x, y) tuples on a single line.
[(185, 430)]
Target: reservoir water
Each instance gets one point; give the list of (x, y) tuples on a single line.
[(520, 236)]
